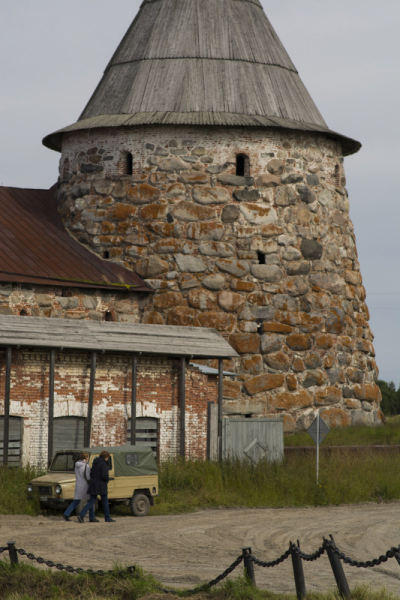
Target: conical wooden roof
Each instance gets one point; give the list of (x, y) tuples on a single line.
[(201, 62)]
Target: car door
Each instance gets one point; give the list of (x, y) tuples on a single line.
[(111, 473)]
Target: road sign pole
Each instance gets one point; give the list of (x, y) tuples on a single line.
[(317, 447)]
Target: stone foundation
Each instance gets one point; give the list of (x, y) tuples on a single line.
[(268, 259)]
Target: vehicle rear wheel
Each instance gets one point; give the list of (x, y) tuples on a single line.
[(139, 505)]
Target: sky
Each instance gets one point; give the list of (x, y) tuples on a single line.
[(53, 53)]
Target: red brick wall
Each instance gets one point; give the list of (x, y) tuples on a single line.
[(157, 396)]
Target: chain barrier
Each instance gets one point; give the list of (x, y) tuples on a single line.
[(204, 586), (59, 566), (270, 563), (394, 552), (328, 545), (309, 557)]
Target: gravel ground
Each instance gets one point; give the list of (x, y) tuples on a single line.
[(185, 550)]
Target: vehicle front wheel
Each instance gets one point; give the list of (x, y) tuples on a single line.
[(139, 505)]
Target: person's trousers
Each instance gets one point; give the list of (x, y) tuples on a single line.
[(92, 502), (72, 507)]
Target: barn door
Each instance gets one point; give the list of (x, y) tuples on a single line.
[(146, 433), (68, 433), (14, 441), (252, 440)]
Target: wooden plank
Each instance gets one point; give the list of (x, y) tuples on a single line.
[(6, 424), (90, 400)]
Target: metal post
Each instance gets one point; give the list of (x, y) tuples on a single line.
[(133, 399), (317, 448), (220, 396), (51, 406), (183, 406), (6, 431), (12, 551), (298, 572), (248, 565), (338, 571), (90, 403)]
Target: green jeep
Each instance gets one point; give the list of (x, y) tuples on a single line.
[(133, 478)]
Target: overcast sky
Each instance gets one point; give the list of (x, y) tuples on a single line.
[(53, 53)]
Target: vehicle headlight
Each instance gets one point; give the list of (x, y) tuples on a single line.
[(30, 488), (58, 489)]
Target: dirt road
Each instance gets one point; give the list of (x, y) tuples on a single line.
[(184, 550)]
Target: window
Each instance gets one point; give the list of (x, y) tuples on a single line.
[(242, 165), (64, 461), (106, 254), (65, 169), (14, 440), (23, 313), (68, 433), (108, 316), (131, 460), (336, 175), (146, 433), (261, 257), (127, 163)]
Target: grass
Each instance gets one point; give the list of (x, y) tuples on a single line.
[(25, 582), (345, 478), (353, 436), (13, 491)]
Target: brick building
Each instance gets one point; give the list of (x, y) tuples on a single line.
[(74, 384)]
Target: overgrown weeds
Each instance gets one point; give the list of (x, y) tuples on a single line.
[(345, 478), (14, 491), (25, 582), (354, 436)]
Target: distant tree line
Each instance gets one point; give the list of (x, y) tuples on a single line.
[(390, 404)]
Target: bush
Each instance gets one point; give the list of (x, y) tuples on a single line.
[(390, 403), (14, 495)]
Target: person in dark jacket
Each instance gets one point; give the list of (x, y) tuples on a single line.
[(99, 479)]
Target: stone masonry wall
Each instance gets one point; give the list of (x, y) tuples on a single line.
[(157, 396), (269, 259), (70, 303)]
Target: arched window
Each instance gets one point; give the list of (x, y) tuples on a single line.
[(108, 316), (242, 165), (23, 313)]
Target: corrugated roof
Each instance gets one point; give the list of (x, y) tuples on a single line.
[(169, 340), (36, 248), (203, 62)]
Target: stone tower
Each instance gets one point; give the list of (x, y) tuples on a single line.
[(202, 163)]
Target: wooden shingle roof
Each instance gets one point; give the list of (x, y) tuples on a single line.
[(36, 248), (201, 62), (160, 340)]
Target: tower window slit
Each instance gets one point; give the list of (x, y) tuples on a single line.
[(242, 165), (261, 257), (129, 164), (336, 175)]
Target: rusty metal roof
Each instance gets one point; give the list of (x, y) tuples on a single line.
[(36, 248)]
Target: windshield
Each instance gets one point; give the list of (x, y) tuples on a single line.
[(64, 461)]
